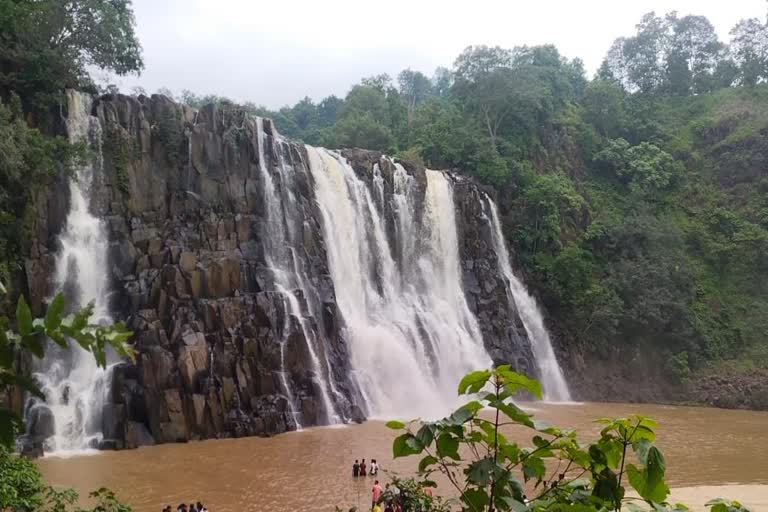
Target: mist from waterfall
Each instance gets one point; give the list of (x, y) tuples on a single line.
[(75, 387), (410, 332), (551, 376)]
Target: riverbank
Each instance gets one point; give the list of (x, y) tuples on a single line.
[(311, 469)]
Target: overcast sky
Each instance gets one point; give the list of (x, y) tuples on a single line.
[(278, 51)]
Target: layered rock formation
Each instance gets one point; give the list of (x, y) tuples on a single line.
[(182, 195)]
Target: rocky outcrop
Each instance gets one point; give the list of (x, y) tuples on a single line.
[(182, 196), (484, 284)]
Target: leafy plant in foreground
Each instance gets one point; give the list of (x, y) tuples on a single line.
[(488, 472), (22, 487), (30, 337)]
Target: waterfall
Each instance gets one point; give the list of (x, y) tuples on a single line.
[(553, 382), (409, 329), (75, 387), (281, 239)]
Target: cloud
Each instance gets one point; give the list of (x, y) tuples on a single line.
[(276, 52)]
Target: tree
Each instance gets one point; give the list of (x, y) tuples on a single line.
[(644, 168), (693, 56), (604, 107), (749, 47), (48, 45), (362, 130), (442, 80), (381, 82), (414, 88), (476, 61), (328, 110), (548, 207), (487, 471)]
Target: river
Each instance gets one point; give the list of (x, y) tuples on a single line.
[(710, 452)]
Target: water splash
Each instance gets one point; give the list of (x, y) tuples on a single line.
[(75, 388), (410, 332), (281, 237), (552, 379)]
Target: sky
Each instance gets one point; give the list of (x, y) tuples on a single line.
[(276, 52)]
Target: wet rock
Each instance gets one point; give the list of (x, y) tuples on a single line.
[(137, 434), (40, 423)]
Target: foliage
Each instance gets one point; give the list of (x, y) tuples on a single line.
[(29, 337), (48, 45), (22, 489), (488, 472), (27, 160), (644, 168), (21, 486)]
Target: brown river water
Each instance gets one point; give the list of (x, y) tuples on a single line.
[(709, 452)]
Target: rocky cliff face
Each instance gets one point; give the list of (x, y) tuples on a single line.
[(182, 195)]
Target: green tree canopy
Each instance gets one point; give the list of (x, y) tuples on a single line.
[(47, 45)]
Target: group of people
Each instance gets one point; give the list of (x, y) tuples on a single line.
[(390, 498), (360, 469), (387, 499), (193, 507)]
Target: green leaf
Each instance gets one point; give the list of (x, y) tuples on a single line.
[(426, 434), (513, 412), (512, 504), (475, 499), (23, 317), (33, 344), (511, 452), (480, 471), (474, 381), (405, 445), (641, 449), (515, 382), (533, 467), (607, 487), (612, 449), (10, 425), (395, 425), (426, 462), (462, 414), (448, 446), (28, 384), (649, 481), (546, 427)]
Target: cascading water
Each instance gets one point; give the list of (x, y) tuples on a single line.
[(553, 382), (410, 332), (281, 238), (75, 387)]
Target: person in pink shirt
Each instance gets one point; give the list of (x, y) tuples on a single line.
[(375, 493)]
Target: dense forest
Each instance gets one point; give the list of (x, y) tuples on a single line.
[(636, 202)]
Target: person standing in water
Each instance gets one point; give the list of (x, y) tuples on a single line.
[(356, 469), (362, 468), (375, 494), (374, 468)]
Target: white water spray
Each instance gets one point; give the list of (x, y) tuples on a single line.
[(553, 382), (281, 239), (75, 387), (411, 334)]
